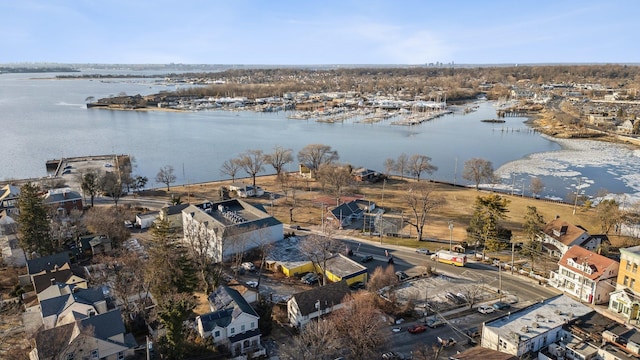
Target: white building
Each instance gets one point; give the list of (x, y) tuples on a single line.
[(558, 236), (229, 227), (312, 304), (587, 275), (233, 323), (532, 328)]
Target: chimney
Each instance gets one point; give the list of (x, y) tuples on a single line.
[(53, 281)]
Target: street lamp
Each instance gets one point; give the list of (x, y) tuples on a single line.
[(450, 234)]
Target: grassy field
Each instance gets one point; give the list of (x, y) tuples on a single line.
[(458, 206)]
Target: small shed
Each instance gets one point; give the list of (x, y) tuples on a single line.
[(145, 220)]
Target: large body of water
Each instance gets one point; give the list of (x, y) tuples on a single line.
[(43, 118)]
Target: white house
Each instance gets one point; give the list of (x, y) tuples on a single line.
[(229, 227), (147, 219), (586, 275), (244, 190), (234, 323), (68, 308), (532, 328), (558, 235), (312, 304)]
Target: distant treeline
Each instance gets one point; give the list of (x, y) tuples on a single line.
[(5, 69)]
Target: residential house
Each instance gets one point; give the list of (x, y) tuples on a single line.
[(61, 281), (312, 304), (627, 126), (586, 275), (245, 190), (230, 227), (146, 220), (532, 328), (100, 336), (42, 264), (558, 235), (248, 293), (12, 253), (9, 198), (7, 224), (350, 211), (77, 305), (64, 200), (173, 214), (232, 324), (625, 300), (305, 171), (366, 175)]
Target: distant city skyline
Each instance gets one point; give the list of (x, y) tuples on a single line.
[(333, 32)]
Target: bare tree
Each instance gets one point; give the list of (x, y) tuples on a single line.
[(361, 330), (382, 278), (108, 221), (111, 186), (419, 164), (316, 341), (199, 244), (536, 186), (89, 183), (314, 155), (389, 166), (338, 177), (231, 168), (252, 162), (166, 176), (476, 170), (319, 249), (421, 201), (401, 164), (279, 158)]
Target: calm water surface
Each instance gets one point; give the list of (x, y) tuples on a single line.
[(46, 118)]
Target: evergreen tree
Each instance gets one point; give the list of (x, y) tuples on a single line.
[(172, 312), (484, 226), (169, 269), (33, 221), (533, 223)]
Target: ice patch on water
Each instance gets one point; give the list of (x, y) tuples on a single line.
[(620, 161)]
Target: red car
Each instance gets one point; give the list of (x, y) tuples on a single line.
[(417, 329)]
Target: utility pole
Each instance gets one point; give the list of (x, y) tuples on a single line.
[(384, 182), (575, 203), (513, 248), (450, 234)]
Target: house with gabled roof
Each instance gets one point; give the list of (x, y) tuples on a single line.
[(101, 336), (49, 284), (173, 215), (229, 227), (232, 324), (559, 235), (347, 212), (305, 306), (8, 199), (586, 275), (64, 200), (77, 305)]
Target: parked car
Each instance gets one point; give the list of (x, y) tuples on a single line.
[(310, 278), (501, 305), (473, 332), (366, 258), (248, 266), (434, 322), (391, 356), (253, 284), (396, 329), (423, 251), (486, 309), (417, 329), (402, 275)]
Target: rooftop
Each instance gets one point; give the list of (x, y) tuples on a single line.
[(538, 318), (585, 262)]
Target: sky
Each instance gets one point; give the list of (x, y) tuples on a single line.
[(299, 32)]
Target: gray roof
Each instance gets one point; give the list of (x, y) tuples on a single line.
[(226, 297), (245, 335), (175, 209), (57, 304), (105, 325), (251, 216), (221, 318), (328, 295), (347, 209), (47, 262), (60, 197), (43, 281)]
